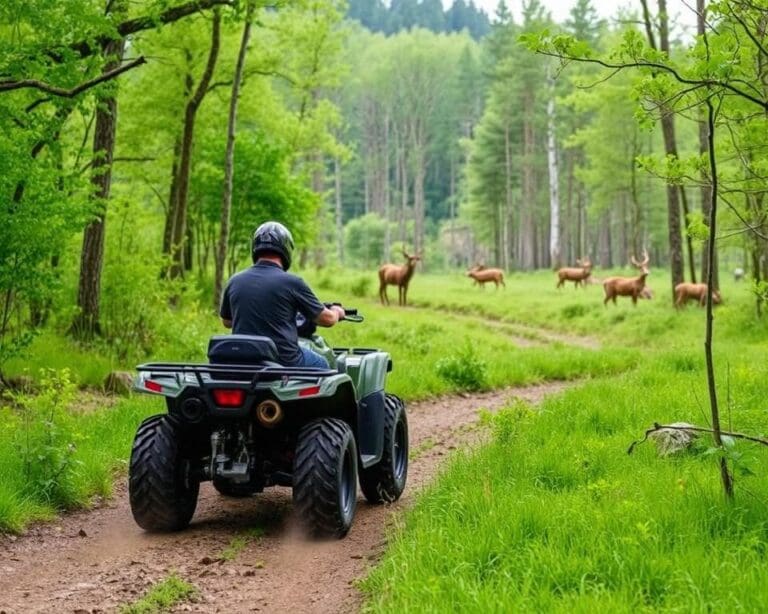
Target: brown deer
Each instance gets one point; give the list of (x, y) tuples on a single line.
[(397, 275), (578, 275), (481, 275), (686, 290), (625, 286)]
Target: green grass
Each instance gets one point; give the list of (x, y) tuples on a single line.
[(101, 448), (239, 543), (161, 597), (560, 517)]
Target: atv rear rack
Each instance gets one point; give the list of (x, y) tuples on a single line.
[(255, 373)]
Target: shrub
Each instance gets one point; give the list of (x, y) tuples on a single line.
[(45, 439), (465, 370)]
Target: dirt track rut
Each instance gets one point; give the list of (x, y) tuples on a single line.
[(95, 561)]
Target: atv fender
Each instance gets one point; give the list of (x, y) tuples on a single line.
[(370, 428), (295, 390), (371, 373)]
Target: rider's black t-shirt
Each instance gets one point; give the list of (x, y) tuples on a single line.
[(264, 300)]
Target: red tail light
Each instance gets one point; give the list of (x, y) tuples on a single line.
[(229, 397), (153, 386), (308, 392)]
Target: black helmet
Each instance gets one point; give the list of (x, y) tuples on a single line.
[(276, 238)]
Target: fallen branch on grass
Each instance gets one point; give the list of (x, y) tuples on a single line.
[(657, 427)]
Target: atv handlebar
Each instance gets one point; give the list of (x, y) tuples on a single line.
[(350, 315)]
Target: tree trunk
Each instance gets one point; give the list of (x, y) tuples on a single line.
[(87, 323), (529, 188), (179, 233), (229, 160), (503, 224), (688, 239), (340, 212), (725, 474), (419, 175), (172, 196), (706, 197), (670, 147), (554, 179)]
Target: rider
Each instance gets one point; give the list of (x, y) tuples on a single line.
[(264, 299)]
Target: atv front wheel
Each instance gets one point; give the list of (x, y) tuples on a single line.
[(162, 493), (325, 477), (384, 482)]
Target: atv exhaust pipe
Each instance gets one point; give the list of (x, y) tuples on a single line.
[(269, 413)]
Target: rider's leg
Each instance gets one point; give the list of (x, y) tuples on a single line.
[(312, 359)]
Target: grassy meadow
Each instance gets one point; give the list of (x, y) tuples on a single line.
[(560, 517)]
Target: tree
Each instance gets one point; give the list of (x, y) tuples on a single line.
[(86, 322), (739, 45), (177, 217), (229, 159)]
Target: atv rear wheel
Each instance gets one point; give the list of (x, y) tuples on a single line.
[(162, 493), (325, 477), (384, 482), (229, 488)]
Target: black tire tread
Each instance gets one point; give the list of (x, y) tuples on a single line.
[(160, 501), (378, 481), (320, 445)]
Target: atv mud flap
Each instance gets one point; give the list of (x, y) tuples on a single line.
[(370, 427)]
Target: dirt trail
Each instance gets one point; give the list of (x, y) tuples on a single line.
[(95, 561)]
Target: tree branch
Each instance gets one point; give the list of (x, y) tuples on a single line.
[(663, 67), (7, 86), (147, 22), (700, 429)]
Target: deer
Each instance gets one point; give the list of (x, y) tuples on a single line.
[(625, 286), (397, 275), (686, 290), (578, 275), (481, 275)]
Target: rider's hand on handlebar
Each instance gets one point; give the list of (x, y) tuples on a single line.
[(339, 311)]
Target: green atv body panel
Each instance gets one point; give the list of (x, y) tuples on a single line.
[(367, 370)]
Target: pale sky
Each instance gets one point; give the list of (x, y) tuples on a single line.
[(678, 9)]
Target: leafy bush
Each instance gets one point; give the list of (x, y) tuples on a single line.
[(465, 370), (45, 438)]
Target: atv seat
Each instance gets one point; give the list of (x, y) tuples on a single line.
[(243, 350)]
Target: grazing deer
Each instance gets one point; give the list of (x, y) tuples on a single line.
[(685, 291), (481, 275), (392, 274), (578, 275)]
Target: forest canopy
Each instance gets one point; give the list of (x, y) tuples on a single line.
[(143, 142)]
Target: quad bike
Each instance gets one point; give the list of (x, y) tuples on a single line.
[(245, 422)]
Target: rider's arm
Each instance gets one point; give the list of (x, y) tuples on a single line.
[(225, 309), (329, 317)]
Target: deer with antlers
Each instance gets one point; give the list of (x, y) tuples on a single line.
[(640, 264), (397, 275), (628, 286), (578, 275)]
